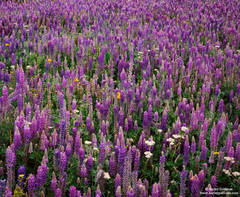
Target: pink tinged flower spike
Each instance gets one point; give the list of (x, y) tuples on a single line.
[(17, 139), (31, 185), (213, 181), (10, 162), (219, 163), (118, 192), (117, 181), (155, 191), (53, 185), (58, 193), (5, 95), (130, 192), (72, 191), (112, 165)]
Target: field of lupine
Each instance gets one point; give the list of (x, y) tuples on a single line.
[(132, 98)]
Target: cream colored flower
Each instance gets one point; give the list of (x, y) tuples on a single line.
[(229, 159), (227, 172), (148, 154), (106, 175), (150, 142), (176, 136), (170, 140), (236, 173), (185, 129), (159, 131), (87, 142)]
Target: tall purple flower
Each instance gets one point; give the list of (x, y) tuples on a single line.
[(195, 187), (72, 191), (31, 185), (186, 151)]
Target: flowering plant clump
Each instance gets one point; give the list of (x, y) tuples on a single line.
[(119, 98)]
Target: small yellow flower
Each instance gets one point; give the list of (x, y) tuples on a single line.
[(192, 178), (118, 95), (6, 44), (49, 61), (21, 175), (76, 79), (216, 153)]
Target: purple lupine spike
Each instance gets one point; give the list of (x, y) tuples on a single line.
[(221, 106), (53, 185), (201, 176), (63, 131), (83, 171), (237, 152), (183, 176), (72, 191), (58, 193), (155, 190), (186, 152), (26, 134), (130, 192), (121, 159), (81, 154), (117, 181), (89, 162), (141, 144), (213, 138), (102, 150), (156, 117), (98, 192), (195, 190), (118, 192), (193, 146), (68, 151), (39, 177), (219, 163), (112, 165), (204, 151), (164, 120), (17, 139), (63, 161), (31, 185), (213, 181), (229, 141), (137, 160)]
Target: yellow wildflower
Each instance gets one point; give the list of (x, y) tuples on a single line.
[(6, 44), (76, 79), (118, 95), (21, 175), (192, 177), (49, 61), (216, 153)]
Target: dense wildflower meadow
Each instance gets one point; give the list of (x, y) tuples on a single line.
[(131, 98)]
